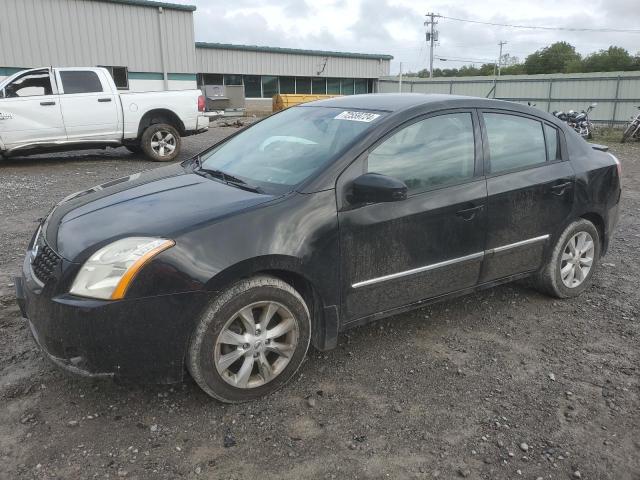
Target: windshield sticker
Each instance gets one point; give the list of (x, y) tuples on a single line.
[(357, 116)]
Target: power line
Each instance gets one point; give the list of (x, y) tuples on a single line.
[(532, 27)]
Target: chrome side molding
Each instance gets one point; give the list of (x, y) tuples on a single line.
[(473, 256), (413, 271), (522, 243)]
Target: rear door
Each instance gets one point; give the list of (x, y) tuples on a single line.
[(530, 186), (89, 107), (398, 253), (30, 110)]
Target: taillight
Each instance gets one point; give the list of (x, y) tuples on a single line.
[(202, 104)]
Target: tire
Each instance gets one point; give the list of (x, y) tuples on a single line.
[(222, 377), (627, 133), (166, 136), (134, 148), (550, 278)]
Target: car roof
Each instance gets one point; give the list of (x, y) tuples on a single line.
[(395, 102)]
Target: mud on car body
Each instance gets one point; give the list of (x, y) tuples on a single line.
[(319, 218)]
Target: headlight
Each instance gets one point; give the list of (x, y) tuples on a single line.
[(108, 272)]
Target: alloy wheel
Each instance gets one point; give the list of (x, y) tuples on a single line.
[(577, 259), (163, 143), (256, 344)]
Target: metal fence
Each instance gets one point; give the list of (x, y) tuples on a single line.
[(616, 93)]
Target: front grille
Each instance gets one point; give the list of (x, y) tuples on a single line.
[(45, 264)]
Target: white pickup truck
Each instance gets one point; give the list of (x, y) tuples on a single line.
[(57, 109)]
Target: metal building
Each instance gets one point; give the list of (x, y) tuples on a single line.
[(149, 45)]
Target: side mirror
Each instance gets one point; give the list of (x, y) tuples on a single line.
[(377, 188)]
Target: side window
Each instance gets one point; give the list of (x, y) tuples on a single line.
[(80, 81), (430, 153), (33, 84), (514, 142), (553, 146)]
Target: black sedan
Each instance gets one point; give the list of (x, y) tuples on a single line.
[(325, 216)]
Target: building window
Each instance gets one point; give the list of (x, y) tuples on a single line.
[(233, 79), (269, 86), (252, 86), (346, 86), (319, 86), (333, 86), (209, 79), (120, 76), (360, 85), (287, 85), (303, 85)]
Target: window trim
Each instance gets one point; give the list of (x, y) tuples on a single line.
[(487, 152), (478, 152)]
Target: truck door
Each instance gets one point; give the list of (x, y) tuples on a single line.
[(30, 110), (89, 106)]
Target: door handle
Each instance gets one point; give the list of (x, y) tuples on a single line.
[(47, 104), (560, 188), (469, 213), (104, 100)]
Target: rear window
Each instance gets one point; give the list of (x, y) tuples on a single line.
[(80, 81)]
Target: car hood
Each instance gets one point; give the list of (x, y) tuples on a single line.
[(163, 202)]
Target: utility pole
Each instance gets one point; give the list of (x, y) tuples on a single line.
[(502, 43), (432, 36), (400, 79)]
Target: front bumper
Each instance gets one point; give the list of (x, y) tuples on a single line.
[(144, 339)]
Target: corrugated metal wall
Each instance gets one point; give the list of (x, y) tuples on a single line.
[(215, 60), (616, 93), (35, 33)]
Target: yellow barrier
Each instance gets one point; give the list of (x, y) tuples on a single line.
[(282, 101)]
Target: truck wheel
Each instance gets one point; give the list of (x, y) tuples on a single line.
[(250, 341), (161, 142)]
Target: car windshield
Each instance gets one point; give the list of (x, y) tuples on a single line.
[(285, 149)]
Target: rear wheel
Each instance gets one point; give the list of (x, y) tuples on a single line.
[(574, 259), (161, 142), (250, 341), (628, 132)]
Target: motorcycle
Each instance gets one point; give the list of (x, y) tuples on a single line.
[(633, 129), (580, 122)]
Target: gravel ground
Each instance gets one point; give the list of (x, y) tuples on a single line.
[(506, 383)]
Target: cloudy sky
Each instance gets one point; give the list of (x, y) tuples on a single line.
[(396, 27)]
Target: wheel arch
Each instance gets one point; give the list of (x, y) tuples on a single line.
[(160, 115), (322, 308), (598, 222)]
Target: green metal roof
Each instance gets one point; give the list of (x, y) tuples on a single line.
[(295, 51), (150, 3)]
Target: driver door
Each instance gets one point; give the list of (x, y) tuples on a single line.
[(30, 110), (399, 253)]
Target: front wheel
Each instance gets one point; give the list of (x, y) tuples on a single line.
[(161, 142), (250, 341), (573, 261)]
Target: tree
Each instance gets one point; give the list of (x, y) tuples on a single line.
[(613, 59), (552, 59)]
